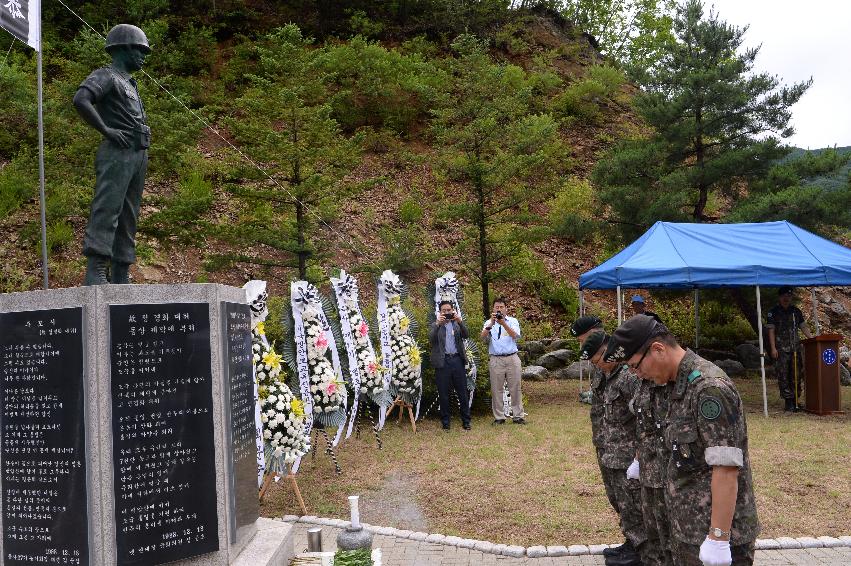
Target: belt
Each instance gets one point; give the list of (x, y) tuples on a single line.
[(504, 355), (451, 355)]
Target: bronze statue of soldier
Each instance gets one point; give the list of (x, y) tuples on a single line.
[(109, 101)]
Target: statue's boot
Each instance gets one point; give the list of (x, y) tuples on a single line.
[(120, 273), (96, 270)]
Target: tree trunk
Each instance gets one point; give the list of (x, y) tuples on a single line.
[(483, 248), (700, 154), (300, 228), (748, 310)]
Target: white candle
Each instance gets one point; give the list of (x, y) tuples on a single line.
[(353, 503)]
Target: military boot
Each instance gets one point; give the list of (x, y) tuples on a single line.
[(626, 558), (790, 405), (119, 273), (96, 270)]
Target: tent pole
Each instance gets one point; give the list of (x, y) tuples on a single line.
[(581, 302), (761, 352), (815, 309), (620, 308), (696, 319)]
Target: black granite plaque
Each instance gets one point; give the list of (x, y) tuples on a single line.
[(45, 518), (239, 388), (162, 432)]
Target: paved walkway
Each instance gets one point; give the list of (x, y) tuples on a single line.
[(406, 552)]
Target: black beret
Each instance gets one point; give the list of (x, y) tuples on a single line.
[(784, 291), (592, 345), (631, 335), (583, 324)]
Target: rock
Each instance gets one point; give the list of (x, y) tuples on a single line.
[(577, 549), (348, 539), (844, 354), (748, 354), (536, 551), (514, 551), (524, 357), (555, 359), (557, 551), (535, 373), (535, 348), (572, 371), (732, 368), (559, 344), (546, 342), (844, 376), (713, 355)]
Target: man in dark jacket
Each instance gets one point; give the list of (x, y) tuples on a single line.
[(449, 359)]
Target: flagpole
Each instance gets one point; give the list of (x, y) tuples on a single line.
[(41, 165)]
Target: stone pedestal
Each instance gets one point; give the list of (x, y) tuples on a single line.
[(128, 428)]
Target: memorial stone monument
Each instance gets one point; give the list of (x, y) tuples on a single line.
[(128, 430)]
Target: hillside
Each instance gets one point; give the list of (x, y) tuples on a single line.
[(400, 202)]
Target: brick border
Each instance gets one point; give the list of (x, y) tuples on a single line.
[(779, 543)]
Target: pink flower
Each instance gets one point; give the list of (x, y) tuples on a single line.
[(321, 341), (363, 329), (372, 367), (331, 389)]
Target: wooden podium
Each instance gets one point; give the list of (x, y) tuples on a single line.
[(821, 366)]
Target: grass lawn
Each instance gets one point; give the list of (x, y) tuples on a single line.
[(539, 483)]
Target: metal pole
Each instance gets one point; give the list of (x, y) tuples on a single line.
[(761, 352), (581, 302), (41, 170), (619, 305), (815, 309), (696, 319)]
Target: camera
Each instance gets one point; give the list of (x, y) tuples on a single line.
[(499, 316), (449, 315)]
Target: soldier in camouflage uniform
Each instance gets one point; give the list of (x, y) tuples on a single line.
[(651, 407), (614, 437), (783, 322), (709, 489)]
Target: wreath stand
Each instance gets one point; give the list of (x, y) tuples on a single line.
[(267, 481), (363, 406), (399, 402), (329, 448)]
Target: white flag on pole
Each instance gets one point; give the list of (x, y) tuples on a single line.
[(22, 18)]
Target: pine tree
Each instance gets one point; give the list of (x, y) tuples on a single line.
[(285, 120), (500, 158), (716, 126)]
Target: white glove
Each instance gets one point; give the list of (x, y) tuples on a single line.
[(715, 552), (632, 470)]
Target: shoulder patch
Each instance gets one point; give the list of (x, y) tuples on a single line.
[(710, 408), (694, 375)]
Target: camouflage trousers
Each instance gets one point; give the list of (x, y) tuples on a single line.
[(785, 372), (625, 497), (688, 554), (657, 527)]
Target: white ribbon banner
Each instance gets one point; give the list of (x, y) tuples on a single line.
[(386, 351), (344, 288), (296, 289)]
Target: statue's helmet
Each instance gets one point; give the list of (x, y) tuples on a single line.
[(126, 34)]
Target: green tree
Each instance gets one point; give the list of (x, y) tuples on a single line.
[(630, 32), (812, 190), (284, 121), (716, 125), (499, 158)]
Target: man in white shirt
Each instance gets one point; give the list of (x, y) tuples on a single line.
[(501, 333)]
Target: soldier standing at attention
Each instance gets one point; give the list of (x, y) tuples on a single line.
[(709, 488), (614, 437), (783, 322), (109, 101)]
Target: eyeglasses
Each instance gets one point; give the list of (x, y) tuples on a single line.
[(641, 359)]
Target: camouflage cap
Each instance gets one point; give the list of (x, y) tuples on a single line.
[(592, 345), (583, 324), (630, 336)]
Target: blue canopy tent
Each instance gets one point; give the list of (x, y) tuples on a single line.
[(698, 256)]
